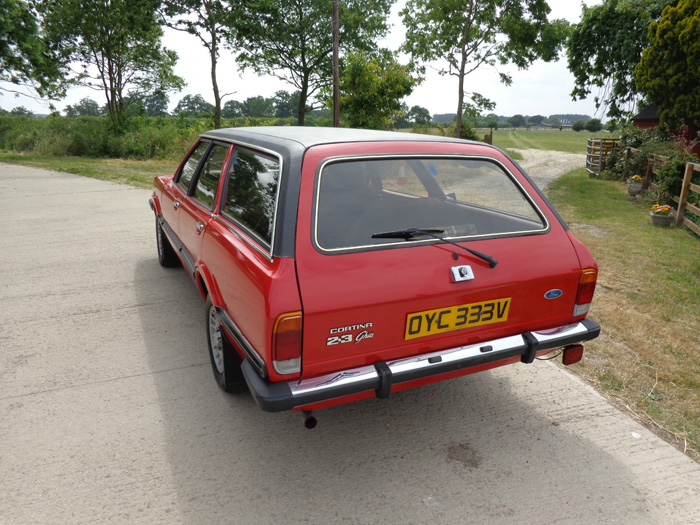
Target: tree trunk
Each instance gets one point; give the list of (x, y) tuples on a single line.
[(303, 95), (460, 98), (214, 83)]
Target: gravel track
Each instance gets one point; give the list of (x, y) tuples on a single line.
[(545, 166)]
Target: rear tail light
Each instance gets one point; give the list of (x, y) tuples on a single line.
[(572, 354), (286, 344), (586, 288)]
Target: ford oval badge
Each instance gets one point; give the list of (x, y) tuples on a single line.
[(553, 294)]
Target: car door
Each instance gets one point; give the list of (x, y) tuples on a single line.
[(196, 211), (176, 193)]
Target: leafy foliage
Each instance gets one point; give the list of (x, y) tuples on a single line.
[(468, 34), (419, 115), (668, 72), (193, 106), (212, 22), (604, 48), (86, 107), (292, 39), (26, 58), (372, 88), (119, 40), (623, 165)]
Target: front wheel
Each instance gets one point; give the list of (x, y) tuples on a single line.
[(225, 362)]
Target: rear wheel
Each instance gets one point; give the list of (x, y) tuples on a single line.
[(225, 362), (166, 254)]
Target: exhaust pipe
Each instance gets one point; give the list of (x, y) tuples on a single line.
[(309, 419)]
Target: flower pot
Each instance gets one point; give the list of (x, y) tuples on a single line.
[(634, 189), (664, 221)]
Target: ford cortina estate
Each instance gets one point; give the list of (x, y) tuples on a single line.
[(341, 264)]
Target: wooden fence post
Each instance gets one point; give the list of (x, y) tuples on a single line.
[(685, 189)]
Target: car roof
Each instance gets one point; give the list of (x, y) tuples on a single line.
[(314, 136)]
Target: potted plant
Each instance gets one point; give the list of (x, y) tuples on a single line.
[(634, 187), (661, 215)]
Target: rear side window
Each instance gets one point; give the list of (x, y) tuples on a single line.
[(188, 170), (208, 181), (460, 197), (251, 193)]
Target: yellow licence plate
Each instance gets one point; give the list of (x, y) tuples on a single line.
[(432, 322)]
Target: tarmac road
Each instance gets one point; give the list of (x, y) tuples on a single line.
[(109, 411)]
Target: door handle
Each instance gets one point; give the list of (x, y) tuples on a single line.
[(176, 204), (200, 227)]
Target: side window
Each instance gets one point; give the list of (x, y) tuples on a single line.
[(205, 190), (184, 178), (252, 191)]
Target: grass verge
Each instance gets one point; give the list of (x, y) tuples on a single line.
[(566, 141), (647, 302), (137, 173)]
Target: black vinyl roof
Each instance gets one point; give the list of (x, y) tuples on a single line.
[(313, 136)]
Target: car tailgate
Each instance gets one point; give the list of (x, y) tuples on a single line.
[(360, 308)]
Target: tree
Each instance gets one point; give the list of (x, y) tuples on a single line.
[(492, 124), (537, 119), (86, 107), (517, 121), (371, 89), (286, 104), (117, 45), (21, 111), (193, 106), (26, 58), (292, 39), (604, 48), (468, 34), (155, 104), (668, 72), (233, 109), (259, 107), (211, 21), (419, 115), (594, 125), (579, 125)]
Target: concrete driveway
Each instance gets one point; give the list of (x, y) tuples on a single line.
[(109, 412)]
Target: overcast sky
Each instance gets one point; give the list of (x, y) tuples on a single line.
[(543, 89)]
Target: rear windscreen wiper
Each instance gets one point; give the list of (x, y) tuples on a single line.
[(411, 233)]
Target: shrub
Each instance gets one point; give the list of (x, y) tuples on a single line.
[(669, 177)]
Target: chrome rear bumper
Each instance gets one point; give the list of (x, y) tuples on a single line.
[(380, 376)]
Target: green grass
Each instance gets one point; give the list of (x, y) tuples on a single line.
[(647, 302), (566, 141), (137, 173)]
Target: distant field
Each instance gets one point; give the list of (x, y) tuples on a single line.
[(568, 141)]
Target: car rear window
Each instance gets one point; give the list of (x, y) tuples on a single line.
[(462, 197)]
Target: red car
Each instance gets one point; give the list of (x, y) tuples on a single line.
[(342, 264)]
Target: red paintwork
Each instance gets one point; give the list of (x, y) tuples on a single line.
[(379, 287), (382, 287)]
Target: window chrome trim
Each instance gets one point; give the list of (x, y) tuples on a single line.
[(416, 242), (268, 254)]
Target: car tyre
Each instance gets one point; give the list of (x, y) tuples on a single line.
[(166, 254), (225, 361)]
